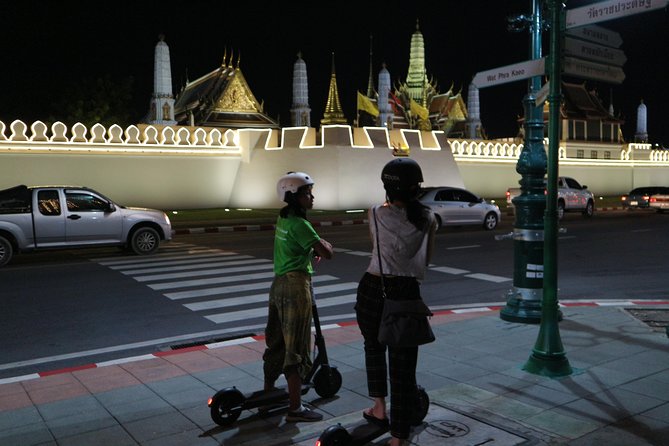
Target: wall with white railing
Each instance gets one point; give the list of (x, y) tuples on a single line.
[(197, 167)]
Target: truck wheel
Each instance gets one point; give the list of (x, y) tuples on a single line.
[(490, 221), (144, 241), (6, 251), (589, 209), (560, 210)]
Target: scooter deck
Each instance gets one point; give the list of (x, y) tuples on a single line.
[(364, 431), (269, 397)]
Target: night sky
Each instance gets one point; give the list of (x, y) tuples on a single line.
[(49, 44)]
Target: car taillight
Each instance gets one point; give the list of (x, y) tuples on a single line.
[(508, 194), (652, 199), (646, 197), (623, 198)]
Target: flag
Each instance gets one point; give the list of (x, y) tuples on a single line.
[(419, 110), (395, 103), (366, 105)]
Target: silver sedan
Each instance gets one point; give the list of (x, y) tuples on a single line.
[(457, 207)]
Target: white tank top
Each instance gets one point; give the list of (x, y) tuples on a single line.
[(403, 247)]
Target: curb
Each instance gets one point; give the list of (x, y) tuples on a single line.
[(259, 338), (262, 227)]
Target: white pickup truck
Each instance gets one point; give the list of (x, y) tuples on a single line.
[(55, 217), (572, 197)]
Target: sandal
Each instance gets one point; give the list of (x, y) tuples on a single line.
[(381, 422)]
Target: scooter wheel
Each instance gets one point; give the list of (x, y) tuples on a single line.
[(226, 406), (423, 405), (335, 436), (327, 382)]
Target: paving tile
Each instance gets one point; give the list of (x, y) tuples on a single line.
[(195, 361), (541, 396), (562, 425), (27, 435), (20, 417), (637, 431), (125, 395), (459, 371), (237, 354), (187, 438), (58, 392), (510, 408), (159, 427), (648, 387), (78, 423), (12, 401), (151, 370), (139, 409), (660, 413), (74, 406), (105, 378), (109, 436)]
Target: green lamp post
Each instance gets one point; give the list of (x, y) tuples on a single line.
[(548, 357), (524, 299)]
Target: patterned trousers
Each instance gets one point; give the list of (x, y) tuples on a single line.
[(402, 361)]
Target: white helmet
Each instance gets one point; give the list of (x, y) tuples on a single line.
[(291, 182)]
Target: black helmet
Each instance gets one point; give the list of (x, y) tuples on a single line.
[(401, 174)]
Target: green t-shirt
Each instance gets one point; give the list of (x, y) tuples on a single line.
[(293, 241)]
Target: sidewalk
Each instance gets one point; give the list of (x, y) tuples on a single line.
[(617, 395)]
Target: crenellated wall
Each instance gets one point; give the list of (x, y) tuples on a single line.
[(187, 167)]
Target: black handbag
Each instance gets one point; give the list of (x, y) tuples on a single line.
[(404, 323)]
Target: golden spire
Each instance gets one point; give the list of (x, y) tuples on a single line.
[(225, 54), (333, 111)]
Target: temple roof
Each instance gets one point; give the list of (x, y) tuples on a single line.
[(583, 104), (221, 98)]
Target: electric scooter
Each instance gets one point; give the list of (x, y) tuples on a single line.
[(365, 431), (227, 404)]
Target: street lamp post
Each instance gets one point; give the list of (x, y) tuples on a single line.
[(524, 299), (548, 357)]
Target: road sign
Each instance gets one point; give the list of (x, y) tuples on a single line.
[(592, 51), (609, 10), (510, 73), (592, 70), (597, 34), (542, 94)]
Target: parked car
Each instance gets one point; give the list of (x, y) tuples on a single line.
[(571, 197), (639, 198), (659, 202), (57, 217), (456, 207)]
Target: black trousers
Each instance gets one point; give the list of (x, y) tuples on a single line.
[(402, 361)]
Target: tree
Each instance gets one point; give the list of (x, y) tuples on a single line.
[(101, 100)]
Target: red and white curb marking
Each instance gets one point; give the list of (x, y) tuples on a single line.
[(262, 227), (259, 338)]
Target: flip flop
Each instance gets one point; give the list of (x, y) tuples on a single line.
[(381, 422)]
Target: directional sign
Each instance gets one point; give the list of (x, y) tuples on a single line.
[(592, 51), (592, 70), (510, 73), (597, 34), (609, 10), (542, 94)]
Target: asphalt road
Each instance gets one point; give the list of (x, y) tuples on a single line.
[(67, 308)]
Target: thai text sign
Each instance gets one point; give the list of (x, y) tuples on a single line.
[(609, 10), (592, 51)]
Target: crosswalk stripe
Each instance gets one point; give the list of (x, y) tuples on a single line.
[(205, 272), (212, 281), (245, 260), (195, 261), (175, 261), (155, 261), (263, 297), (234, 289), (262, 312), (161, 256)]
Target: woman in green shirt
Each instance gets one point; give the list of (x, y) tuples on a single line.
[(288, 330)]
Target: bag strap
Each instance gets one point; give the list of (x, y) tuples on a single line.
[(378, 252)]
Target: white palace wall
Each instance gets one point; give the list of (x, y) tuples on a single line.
[(188, 168)]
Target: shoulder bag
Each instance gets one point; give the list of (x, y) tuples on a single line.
[(404, 323)]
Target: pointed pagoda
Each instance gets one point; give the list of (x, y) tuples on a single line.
[(221, 98), (418, 104), (300, 112), (161, 108), (333, 111)]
